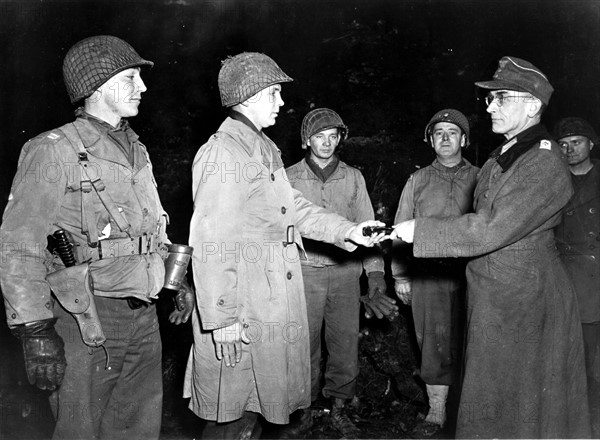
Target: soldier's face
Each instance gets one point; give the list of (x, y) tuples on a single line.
[(120, 96), (447, 140), (263, 107), (323, 144), (576, 148)]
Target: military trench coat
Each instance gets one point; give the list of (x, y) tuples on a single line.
[(246, 266), (524, 363)]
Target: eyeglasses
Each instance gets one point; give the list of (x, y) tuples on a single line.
[(500, 98)]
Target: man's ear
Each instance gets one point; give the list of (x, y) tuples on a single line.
[(306, 145), (591, 145), (463, 141), (94, 97), (534, 109)]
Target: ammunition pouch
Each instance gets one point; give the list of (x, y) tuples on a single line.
[(73, 289)]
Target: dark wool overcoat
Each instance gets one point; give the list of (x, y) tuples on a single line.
[(524, 364), (578, 242)]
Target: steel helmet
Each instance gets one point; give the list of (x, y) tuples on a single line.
[(245, 74), (449, 115), (321, 119), (573, 126), (94, 60)]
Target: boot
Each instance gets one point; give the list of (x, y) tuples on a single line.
[(300, 423), (340, 421), (437, 395), (431, 426)]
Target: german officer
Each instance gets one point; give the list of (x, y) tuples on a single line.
[(524, 364)]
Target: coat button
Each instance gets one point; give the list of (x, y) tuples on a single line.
[(570, 212), (283, 210), (591, 234), (272, 177), (592, 257), (221, 302), (13, 315), (289, 275), (486, 194), (592, 210)]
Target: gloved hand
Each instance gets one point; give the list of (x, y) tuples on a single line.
[(185, 301), (403, 289), (376, 283), (44, 353), (380, 305)]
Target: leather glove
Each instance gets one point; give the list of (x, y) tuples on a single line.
[(403, 289), (185, 301), (44, 353), (376, 283), (380, 305)]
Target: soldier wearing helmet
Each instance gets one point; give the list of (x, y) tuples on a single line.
[(435, 287), (331, 277), (577, 240), (97, 348), (246, 230), (523, 328)]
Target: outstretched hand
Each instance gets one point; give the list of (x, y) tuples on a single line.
[(356, 235), (405, 231)]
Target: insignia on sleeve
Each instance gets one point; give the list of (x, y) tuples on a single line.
[(545, 144), (53, 136)]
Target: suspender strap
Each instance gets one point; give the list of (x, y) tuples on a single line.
[(88, 220)]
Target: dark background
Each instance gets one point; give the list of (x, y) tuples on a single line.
[(384, 66)]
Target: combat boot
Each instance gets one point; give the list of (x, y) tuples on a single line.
[(437, 394), (432, 425), (300, 423), (340, 421)]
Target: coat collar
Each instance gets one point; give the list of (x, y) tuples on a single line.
[(91, 136), (521, 143), (252, 142)]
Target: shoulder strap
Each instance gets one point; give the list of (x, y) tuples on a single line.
[(88, 221)]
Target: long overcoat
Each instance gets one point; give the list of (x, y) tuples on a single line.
[(246, 231), (524, 364), (578, 239)]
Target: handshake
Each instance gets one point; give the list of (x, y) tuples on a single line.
[(404, 231)]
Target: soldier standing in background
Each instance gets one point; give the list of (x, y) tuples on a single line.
[(577, 238)]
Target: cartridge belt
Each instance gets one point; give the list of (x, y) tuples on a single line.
[(121, 247)]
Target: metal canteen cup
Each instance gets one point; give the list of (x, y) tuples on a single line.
[(176, 264)]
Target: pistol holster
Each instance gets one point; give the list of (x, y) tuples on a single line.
[(73, 288)]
